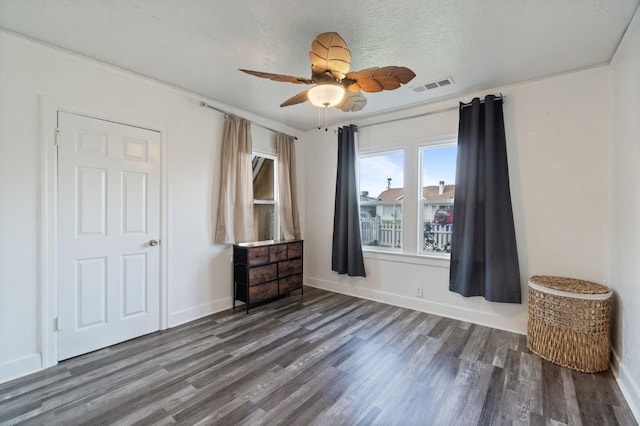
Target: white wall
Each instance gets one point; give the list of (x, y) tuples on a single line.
[(558, 133), (624, 242), (199, 272)]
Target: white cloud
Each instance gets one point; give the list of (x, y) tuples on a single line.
[(374, 171)]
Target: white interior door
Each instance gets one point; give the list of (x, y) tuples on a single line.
[(108, 226)]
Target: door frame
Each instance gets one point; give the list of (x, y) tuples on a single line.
[(48, 232)]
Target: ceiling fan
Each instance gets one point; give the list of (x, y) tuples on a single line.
[(333, 84)]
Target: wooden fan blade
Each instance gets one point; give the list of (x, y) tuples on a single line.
[(352, 102), (297, 99), (279, 77), (364, 80), (351, 86), (403, 74), (329, 53), (377, 79), (331, 39)]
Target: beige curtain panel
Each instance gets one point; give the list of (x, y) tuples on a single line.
[(235, 207), (289, 218)]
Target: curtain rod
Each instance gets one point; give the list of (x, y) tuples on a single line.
[(206, 105), (424, 114)]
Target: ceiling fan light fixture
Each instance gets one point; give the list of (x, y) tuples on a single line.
[(326, 95)]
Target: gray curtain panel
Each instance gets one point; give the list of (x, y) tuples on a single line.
[(346, 255), (484, 256), (287, 193), (235, 207)]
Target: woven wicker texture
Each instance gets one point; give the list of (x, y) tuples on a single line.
[(571, 332), (570, 285)]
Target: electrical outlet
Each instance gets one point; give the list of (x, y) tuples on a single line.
[(419, 291)]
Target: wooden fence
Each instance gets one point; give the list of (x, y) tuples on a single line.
[(377, 233)]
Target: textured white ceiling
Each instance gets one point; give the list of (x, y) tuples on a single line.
[(199, 45)]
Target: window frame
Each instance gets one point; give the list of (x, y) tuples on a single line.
[(277, 232), (380, 152), (443, 142)]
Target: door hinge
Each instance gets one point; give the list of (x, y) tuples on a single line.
[(55, 138), (56, 324)]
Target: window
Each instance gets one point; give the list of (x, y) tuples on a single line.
[(422, 223), (381, 199), (438, 171), (265, 213)]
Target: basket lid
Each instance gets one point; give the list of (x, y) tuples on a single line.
[(570, 285)]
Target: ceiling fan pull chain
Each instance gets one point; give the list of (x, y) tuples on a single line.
[(325, 118), (318, 118)]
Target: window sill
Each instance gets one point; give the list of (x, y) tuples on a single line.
[(413, 259)]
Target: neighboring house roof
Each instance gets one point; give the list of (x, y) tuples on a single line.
[(429, 193), (365, 198), (392, 194), (432, 193)]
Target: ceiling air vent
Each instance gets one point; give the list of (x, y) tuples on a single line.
[(446, 81)]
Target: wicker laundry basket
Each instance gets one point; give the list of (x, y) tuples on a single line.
[(569, 322)]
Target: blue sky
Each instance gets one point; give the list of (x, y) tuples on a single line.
[(438, 164)]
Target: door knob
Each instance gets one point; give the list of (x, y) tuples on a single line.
[(153, 243)]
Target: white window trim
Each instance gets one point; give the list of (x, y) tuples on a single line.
[(408, 258)]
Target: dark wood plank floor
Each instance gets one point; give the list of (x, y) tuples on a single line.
[(329, 359)]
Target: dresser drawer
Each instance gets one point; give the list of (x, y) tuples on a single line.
[(294, 250), (261, 274), (258, 255), (258, 293), (291, 283), (278, 253), (289, 267)]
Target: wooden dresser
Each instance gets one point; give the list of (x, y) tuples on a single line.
[(265, 270)]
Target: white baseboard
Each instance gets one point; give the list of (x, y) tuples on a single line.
[(518, 326), (628, 385), (20, 367), (193, 313)]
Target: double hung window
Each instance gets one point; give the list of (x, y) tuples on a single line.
[(385, 208)]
